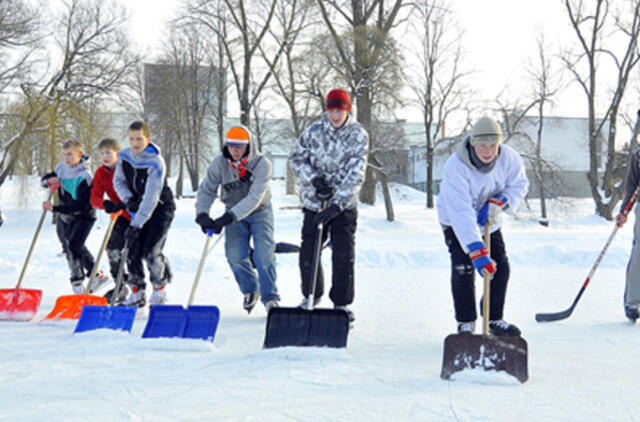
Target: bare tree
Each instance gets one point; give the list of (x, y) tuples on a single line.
[(242, 28), (293, 83), (593, 27), (20, 31), (180, 93), (545, 86), (362, 55), (437, 84), (94, 58)]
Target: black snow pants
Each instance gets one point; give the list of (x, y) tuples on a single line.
[(72, 233), (116, 245), (463, 278), (342, 230), (148, 247)]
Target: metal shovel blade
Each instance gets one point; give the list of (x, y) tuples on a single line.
[(70, 306), (19, 304), (165, 321), (301, 327), (108, 317), (492, 353)]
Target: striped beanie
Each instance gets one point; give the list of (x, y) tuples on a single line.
[(237, 136)]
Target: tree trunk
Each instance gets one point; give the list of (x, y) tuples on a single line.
[(180, 177), (291, 181), (387, 196)]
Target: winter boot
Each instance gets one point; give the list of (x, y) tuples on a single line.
[(250, 301), (158, 297), (136, 298), (98, 281), (305, 302), (270, 305), (349, 312), (500, 327), (466, 327), (632, 312), (122, 295)]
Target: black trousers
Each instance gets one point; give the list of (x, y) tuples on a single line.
[(72, 233), (148, 247), (116, 245), (463, 278), (342, 230)]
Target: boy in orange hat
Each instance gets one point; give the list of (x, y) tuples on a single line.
[(243, 173)]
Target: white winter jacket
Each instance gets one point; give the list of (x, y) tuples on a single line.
[(465, 189)]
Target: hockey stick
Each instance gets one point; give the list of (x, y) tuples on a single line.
[(557, 316)]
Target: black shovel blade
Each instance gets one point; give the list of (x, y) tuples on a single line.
[(493, 353), (300, 327)]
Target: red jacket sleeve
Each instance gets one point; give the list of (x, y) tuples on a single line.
[(98, 189)]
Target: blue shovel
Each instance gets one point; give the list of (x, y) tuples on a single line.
[(111, 317), (196, 321)]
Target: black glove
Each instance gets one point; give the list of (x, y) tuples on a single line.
[(205, 222), (111, 207), (132, 205), (323, 190), (219, 223), (132, 234), (246, 177), (323, 217)]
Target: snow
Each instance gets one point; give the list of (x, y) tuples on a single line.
[(584, 368)]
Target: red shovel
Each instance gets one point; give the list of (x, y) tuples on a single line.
[(22, 304)]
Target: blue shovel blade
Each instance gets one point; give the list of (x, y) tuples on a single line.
[(165, 321), (97, 317), (202, 322)]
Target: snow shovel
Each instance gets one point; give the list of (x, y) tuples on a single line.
[(196, 321), (70, 306), (308, 327), (498, 353), (22, 304), (112, 317), (94, 271)]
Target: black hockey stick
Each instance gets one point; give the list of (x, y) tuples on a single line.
[(557, 316)]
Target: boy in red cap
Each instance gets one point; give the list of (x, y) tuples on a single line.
[(329, 160), (243, 173)]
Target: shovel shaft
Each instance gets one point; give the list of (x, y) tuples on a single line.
[(120, 277), (33, 244), (205, 252), (105, 241), (487, 283), (316, 262)]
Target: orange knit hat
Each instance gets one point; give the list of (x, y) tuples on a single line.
[(237, 136)]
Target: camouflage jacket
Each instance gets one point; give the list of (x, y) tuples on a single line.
[(337, 154)]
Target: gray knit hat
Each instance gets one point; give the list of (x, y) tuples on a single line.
[(486, 131)]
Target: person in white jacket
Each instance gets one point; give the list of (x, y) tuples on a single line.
[(481, 179)]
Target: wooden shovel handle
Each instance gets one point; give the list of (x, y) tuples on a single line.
[(487, 283)]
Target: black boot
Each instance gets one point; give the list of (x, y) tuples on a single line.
[(631, 311), (501, 327)]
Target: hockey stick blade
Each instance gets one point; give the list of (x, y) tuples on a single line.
[(554, 316)]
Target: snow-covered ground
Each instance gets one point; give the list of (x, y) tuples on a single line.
[(585, 368)]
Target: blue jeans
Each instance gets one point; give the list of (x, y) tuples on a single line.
[(258, 225)]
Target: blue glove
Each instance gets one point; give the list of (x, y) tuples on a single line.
[(492, 208), (479, 255)]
